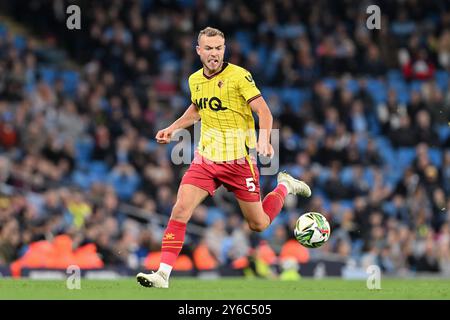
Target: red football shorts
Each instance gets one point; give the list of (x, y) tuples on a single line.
[(239, 176)]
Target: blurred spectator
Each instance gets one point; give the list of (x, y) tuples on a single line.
[(9, 241), (215, 237), (374, 64), (424, 131), (278, 239), (418, 67), (404, 135)]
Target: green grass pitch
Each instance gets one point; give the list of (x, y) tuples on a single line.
[(227, 289)]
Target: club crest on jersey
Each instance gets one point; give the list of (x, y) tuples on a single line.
[(220, 83)]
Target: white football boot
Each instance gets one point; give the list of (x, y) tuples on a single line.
[(157, 279), (294, 186)]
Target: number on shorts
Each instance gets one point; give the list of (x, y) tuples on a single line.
[(250, 184)]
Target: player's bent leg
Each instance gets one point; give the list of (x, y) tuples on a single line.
[(261, 214), (254, 213), (293, 185), (274, 201), (188, 198)]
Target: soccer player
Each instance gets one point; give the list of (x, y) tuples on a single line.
[(223, 97)]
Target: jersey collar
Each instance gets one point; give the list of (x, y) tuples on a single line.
[(224, 65)]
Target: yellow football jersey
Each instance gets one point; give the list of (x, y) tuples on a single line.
[(227, 124)]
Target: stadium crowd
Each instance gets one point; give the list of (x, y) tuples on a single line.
[(363, 118)]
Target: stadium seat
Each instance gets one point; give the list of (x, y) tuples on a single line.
[(166, 56), (20, 42), (295, 97), (405, 157), (203, 259), (57, 254), (374, 125), (98, 168), (267, 92), (346, 175), (435, 156), (382, 142), (295, 170), (352, 86), (240, 263), (268, 233), (369, 177), (377, 90), (81, 179), (244, 40), (416, 85), (388, 208), (393, 176), (3, 30), (387, 153), (34, 257), (183, 263), (151, 262), (357, 248), (442, 78), (98, 171), (293, 249), (326, 203), (362, 144), (70, 79), (262, 54), (62, 255), (83, 150), (86, 257), (394, 74), (443, 132), (266, 253), (346, 204), (323, 176), (48, 75), (30, 87), (124, 186), (401, 88), (318, 192), (227, 244), (331, 83)]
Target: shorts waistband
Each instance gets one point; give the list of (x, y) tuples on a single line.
[(242, 160)]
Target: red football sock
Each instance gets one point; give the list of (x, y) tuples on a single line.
[(172, 241), (273, 202)]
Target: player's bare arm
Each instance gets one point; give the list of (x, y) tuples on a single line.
[(260, 107), (186, 120)]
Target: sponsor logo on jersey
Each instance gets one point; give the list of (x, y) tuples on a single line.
[(214, 103)]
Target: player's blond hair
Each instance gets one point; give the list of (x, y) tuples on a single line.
[(210, 32)]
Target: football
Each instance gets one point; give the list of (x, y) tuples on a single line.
[(312, 230)]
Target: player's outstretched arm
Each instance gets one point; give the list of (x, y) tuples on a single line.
[(186, 120), (260, 107)]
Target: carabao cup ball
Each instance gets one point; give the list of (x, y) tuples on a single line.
[(312, 230)]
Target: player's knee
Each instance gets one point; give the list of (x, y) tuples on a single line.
[(180, 212), (257, 226)]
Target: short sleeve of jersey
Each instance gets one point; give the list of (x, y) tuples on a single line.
[(247, 86)]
